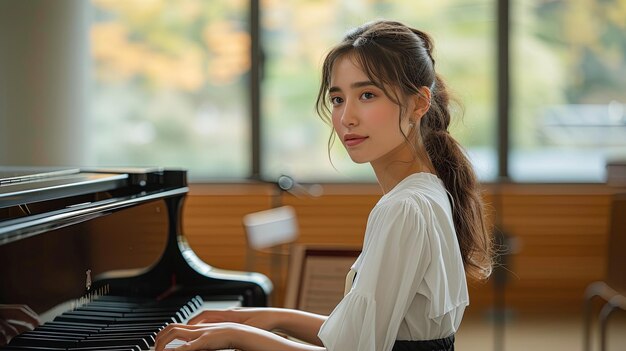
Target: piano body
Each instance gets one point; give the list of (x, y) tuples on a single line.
[(55, 225)]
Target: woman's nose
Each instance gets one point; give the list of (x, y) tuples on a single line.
[(349, 117)]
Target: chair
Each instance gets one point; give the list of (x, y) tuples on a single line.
[(268, 232), (612, 290), (317, 276)]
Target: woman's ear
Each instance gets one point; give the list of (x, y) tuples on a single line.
[(422, 102)]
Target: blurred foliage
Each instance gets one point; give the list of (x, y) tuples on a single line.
[(170, 85), (170, 80), (565, 53)]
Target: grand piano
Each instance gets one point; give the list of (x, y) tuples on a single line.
[(65, 235)]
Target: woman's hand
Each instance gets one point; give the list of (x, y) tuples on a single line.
[(298, 324), (228, 335), (14, 320), (197, 337), (261, 318)]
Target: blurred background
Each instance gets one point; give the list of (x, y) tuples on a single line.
[(226, 89)]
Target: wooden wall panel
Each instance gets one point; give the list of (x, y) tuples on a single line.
[(561, 236), (561, 231), (213, 224)]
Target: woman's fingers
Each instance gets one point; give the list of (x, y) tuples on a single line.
[(19, 313), (171, 333), (211, 317), (29, 315), (197, 344), (197, 337), (20, 326), (7, 332)]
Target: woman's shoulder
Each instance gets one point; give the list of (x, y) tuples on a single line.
[(415, 191)]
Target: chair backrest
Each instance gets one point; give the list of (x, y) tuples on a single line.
[(317, 276), (272, 227), (616, 268)]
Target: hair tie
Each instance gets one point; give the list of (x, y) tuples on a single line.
[(360, 41)]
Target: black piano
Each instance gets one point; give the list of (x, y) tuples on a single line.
[(62, 251)]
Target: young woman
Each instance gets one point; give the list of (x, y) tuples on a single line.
[(408, 287)]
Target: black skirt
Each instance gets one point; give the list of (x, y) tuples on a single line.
[(445, 344)]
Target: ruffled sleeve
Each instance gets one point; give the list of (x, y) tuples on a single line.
[(391, 267)]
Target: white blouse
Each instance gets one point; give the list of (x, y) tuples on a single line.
[(410, 282)]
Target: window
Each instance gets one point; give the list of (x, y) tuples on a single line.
[(170, 86), (297, 34), (568, 112)]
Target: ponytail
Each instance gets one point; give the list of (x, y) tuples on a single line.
[(455, 170)]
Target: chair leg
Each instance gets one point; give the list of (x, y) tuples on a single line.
[(596, 289), (605, 313), (587, 323)]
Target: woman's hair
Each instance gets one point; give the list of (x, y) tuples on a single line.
[(398, 59)]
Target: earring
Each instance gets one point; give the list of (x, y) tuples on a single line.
[(411, 125)]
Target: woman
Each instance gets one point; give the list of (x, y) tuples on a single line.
[(408, 288)]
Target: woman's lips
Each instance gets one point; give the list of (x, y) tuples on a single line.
[(353, 140)]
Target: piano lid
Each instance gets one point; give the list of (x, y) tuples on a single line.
[(13, 174), (19, 187), (35, 200)]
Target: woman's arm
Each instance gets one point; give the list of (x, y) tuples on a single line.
[(298, 324), (220, 336)]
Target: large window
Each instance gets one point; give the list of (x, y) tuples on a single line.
[(568, 112), (170, 86), (297, 34)]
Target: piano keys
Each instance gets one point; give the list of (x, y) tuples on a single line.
[(47, 219), (113, 322)]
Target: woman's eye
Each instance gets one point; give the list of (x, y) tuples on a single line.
[(367, 96), (335, 100)]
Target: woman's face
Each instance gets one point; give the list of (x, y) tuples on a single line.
[(364, 118)]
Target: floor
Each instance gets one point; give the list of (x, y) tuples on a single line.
[(537, 332)]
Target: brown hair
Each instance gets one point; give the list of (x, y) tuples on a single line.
[(396, 56)]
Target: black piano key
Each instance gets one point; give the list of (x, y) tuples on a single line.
[(151, 331), (149, 337), (177, 314), (119, 299), (118, 327), (96, 313), (63, 333), (135, 320), (89, 320), (198, 301), (43, 342), (135, 325), (186, 311), (113, 309), (73, 326), (122, 341), (144, 309)]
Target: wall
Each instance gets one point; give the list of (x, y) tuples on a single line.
[(560, 230)]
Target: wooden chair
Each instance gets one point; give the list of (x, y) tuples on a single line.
[(270, 232), (317, 276), (612, 290)]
